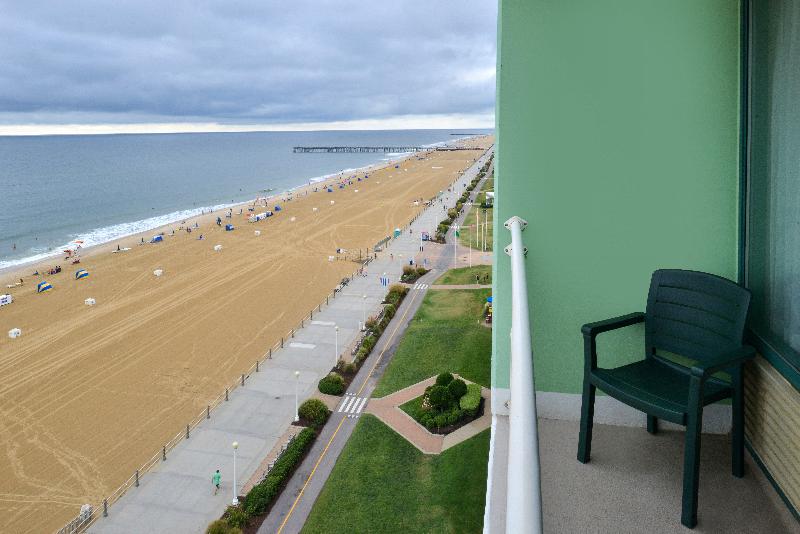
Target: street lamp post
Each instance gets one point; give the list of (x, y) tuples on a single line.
[(336, 350), (235, 501), (364, 311), (296, 382)]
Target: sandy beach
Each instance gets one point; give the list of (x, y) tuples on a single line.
[(91, 392)]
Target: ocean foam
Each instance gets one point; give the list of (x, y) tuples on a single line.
[(105, 234)]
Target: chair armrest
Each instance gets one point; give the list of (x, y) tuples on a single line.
[(723, 361), (593, 329)]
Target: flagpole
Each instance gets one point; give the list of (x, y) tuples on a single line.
[(455, 246), (469, 253), (478, 228)]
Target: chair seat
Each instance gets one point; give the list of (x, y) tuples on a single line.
[(656, 388)]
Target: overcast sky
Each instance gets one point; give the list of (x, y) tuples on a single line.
[(239, 63)]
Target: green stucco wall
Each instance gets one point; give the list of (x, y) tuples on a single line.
[(617, 140)]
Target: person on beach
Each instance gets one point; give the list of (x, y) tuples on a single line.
[(215, 479)]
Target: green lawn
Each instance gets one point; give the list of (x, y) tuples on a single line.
[(469, 236), (413, 407), (465, 275), (446, 334), (383, 484)]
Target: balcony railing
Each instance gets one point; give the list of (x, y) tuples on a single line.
[(523, 506)]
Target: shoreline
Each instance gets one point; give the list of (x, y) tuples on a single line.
[(22, 270), (38, 261)]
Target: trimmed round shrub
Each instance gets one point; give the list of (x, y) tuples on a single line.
[(349, 368), (333, 384), (428, 421), (439, 397), (444, 379), (470, 402), (457, 389), (398, 289), (362, 354), (314, 411), (452, 417), (421, 271), (389, 310), (220, 526), (408, 270), (440, 420)]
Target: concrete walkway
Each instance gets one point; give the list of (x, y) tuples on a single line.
[(387, 409), (176, 496)]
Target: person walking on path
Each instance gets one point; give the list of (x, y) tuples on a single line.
[(215, 478)]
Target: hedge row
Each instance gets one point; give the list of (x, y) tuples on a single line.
[(259, 499), (261, 496)]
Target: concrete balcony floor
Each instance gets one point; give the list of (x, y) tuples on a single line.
[(633, 485)]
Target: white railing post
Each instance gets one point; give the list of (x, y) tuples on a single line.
[(523, 497)]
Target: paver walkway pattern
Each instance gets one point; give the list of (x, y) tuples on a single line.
[(387, 409), (177, 496)]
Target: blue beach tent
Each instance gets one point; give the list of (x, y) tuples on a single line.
[(228, 227), (43, 286), (359, 179), (81, 273), (341, 186), (397, 166), (330, 190), (278, 208), (489, 300), (157, 239)]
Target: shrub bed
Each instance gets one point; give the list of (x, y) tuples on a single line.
[(411, 273), (259, 500), (447, 405), (375, 327)]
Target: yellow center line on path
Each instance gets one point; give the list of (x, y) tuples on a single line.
[(325, 450)]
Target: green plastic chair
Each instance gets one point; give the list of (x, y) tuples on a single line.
[(696, 315)]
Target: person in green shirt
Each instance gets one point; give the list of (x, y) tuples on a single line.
[(215, 478)]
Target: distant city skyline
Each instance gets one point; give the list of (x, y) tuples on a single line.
[(134, 67)]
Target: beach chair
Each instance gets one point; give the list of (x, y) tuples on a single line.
[(694, 315)]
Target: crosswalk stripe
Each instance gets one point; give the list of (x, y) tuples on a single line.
[(352, 405), (345, 404), (361, 405)]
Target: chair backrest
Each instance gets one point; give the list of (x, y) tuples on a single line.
[(694, 314)]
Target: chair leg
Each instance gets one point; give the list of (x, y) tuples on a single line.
[(737, 424), (652, 424), (691, 457), (587, 419)]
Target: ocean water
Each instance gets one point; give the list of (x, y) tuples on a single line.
[(57, 189)]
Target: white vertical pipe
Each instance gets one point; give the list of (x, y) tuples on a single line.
[(524, 499)]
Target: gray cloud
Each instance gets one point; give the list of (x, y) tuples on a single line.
[(244, 61)]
